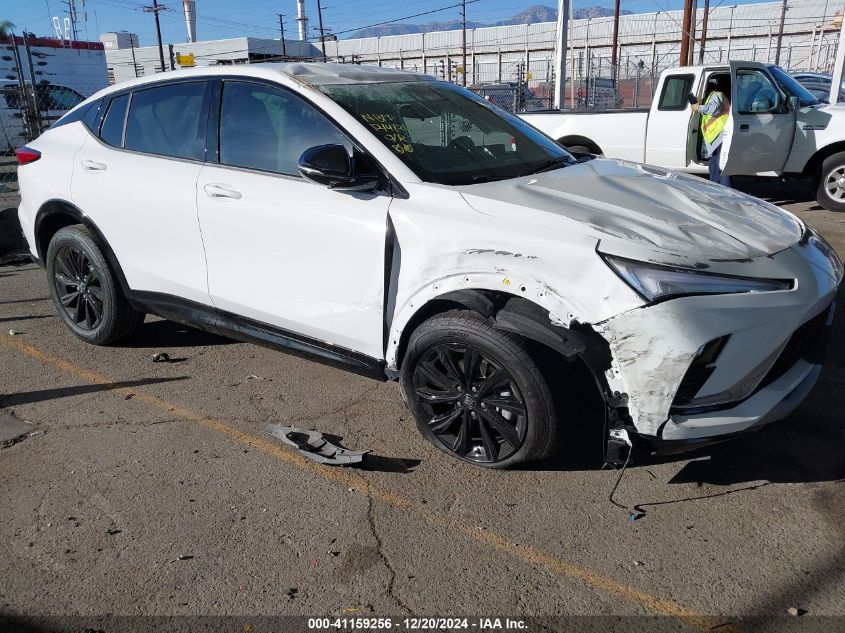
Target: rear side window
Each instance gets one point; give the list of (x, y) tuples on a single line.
[(675, 91), (83, 113), (112, 130), (167, 120), (91, 116), (266, 128)]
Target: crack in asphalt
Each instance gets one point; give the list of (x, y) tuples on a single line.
[(391, 585)]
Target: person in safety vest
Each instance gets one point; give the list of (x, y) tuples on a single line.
[(714, 118)]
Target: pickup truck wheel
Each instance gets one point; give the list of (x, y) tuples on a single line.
[(831, 190), (84, 289), (476, 393)]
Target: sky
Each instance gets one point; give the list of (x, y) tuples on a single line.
[(219, 19)]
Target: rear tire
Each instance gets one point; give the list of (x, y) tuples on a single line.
[(476, 392), (85, 290), (830, 191)]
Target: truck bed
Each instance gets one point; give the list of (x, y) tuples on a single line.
[(616, 133)]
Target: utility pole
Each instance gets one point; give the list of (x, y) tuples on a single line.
[(685, 31), (614, 74), (563, 27), (464, 41), (838, 66), (282, 31), (155, 10), (71, 9), (704, 31), (780, 32), (691, 34), (322, 33)]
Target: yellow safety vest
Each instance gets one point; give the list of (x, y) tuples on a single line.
[(712, 124)]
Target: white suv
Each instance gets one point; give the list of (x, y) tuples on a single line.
[(403, 228)]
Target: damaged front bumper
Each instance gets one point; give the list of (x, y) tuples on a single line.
[(700, 369)]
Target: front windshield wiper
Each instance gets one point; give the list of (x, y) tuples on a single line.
[(554, 163)]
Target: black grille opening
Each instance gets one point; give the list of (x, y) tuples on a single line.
[(801, 345), (701, 368)]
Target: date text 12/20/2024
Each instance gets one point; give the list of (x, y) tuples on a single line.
[(417, 624)]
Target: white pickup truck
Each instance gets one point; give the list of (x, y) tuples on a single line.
[(776, 128)]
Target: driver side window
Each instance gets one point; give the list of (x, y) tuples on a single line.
[(268, 128), (756, 93)]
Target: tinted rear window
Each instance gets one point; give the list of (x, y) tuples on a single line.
[(112, 130), (168, 120)]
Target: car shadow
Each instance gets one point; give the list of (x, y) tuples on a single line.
[(41, 395), (162, 334)]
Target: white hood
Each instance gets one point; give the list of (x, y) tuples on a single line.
[(649, 206)]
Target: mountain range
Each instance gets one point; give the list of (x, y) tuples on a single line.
[(536, 13)]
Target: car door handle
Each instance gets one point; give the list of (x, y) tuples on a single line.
[(219, 191), (92, 165), (743, 127)]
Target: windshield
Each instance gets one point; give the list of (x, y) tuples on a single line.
[(792, 87), (447, 135)]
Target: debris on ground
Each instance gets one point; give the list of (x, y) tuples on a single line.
[(161, 357), (254, 377), (13, 332), (795, 611), (314, 446), (291, 593)]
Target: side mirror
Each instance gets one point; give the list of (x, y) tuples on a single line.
[(792, 103), (331, 165)]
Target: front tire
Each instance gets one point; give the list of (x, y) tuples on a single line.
[(85, 290), (476, 392), (830, 192)]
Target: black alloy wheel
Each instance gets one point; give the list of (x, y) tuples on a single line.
[(79, 288), (85, 289), (474, 406)]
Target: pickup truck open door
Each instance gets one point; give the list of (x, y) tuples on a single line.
[(761, 127)]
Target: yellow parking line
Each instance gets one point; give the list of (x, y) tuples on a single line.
[(361, 486)]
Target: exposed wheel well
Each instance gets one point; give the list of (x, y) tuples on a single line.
[(579, 354), (53, 216), (576, 141), (814, 164)]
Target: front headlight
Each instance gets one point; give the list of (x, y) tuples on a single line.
[(655, 281)]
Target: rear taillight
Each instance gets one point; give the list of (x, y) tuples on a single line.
[(27, 155)]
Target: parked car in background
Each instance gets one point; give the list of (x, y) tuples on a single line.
[(776, 129), (21, 115), (818, 84), (404, 228)]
